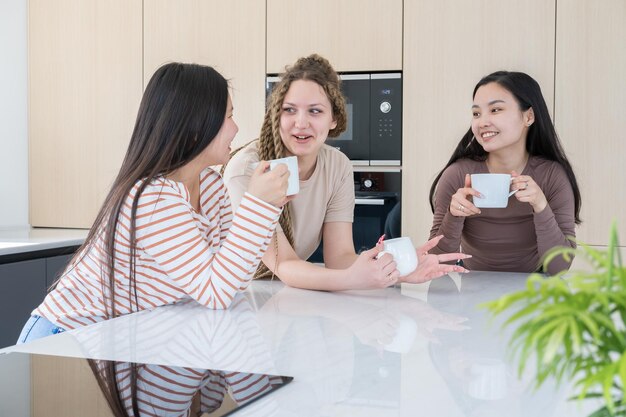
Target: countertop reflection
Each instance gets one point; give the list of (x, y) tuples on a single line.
[(423, 349)]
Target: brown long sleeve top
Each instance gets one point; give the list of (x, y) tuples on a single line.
[(514, 238)]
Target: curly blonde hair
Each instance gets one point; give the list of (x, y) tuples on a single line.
[(311, 68)]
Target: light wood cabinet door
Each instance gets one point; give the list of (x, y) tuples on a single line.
[(354, 35), (590, 109), (449, 46), (227, 35), (85, 84), (65, 387)]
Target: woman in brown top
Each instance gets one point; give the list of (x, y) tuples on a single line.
[(511, 133)]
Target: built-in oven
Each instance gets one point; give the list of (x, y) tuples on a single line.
[(376, 195), (373, 136)]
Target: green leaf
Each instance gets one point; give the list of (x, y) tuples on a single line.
[(531, 308), (576, 336), (556, 340), (622, 373), (606, 385), (589, 324), (602, 412)]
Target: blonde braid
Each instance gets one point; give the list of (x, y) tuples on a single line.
[(271, 147), (313, 68)]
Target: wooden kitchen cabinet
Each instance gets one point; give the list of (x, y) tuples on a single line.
[(448, 46), (229, 36), (355, 35), (85, 84), (590, 105)]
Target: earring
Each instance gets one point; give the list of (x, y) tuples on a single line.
[(470, 142)]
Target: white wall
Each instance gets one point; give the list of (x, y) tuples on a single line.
[(13, 114)]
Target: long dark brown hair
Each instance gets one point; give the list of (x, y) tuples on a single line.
[(542, 139), (182, 110)]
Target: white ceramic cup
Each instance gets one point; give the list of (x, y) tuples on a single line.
[(293, 186), (406, 331), (403, 253), (495, 189), (487, 379)]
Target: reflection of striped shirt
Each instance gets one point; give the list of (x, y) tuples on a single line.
[(180, 253), (169, 391), (229, 339)]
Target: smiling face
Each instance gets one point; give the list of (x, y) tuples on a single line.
[(498, 122), (306, 118), (218, 151)]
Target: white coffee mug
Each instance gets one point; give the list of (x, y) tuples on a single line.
[(293, 186), (404, 337), (495, 190), (403, 253), (488, 379)]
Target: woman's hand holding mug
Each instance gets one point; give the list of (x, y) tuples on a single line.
[(460, 203), (270, 185), (430, 266)]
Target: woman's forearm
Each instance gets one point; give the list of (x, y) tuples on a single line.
[(341, 261), (302, 274)]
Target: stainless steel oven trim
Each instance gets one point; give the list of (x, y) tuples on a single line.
[(361, 163), (369, 201), (386, 76), (357, 168), (394, 163), (354, 76)]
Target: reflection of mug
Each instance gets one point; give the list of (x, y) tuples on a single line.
[(403, 253), (292, 165), (487, 379), (405, 335), (494, 188)]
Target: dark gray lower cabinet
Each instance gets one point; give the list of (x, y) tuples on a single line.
[(23, 286), (55, 266)]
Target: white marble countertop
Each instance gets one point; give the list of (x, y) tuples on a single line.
[(410, 350), (28, 239)]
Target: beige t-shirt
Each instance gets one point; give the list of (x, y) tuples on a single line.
[(327, 196)]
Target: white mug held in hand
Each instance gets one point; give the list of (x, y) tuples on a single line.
[(403, 253), (494, 188), (293, 185), (404, 337)]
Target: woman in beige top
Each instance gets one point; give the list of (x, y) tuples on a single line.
[(306, 107)]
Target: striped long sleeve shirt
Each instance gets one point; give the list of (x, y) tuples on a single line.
[(180, 253)]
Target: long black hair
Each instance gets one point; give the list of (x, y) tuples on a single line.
[(542, 139), (181, 111)]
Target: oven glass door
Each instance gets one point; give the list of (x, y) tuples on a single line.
[(370, 215), (355, 141)]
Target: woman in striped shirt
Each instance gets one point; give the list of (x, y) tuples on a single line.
[(166, 231)]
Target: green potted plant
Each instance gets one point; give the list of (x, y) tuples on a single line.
[(573, 325)]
